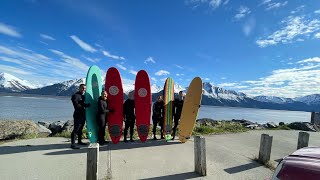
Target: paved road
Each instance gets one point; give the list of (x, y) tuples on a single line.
[(228, 157)]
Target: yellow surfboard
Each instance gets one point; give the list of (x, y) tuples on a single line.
[(190, 109)]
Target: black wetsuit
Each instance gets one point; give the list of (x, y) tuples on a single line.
[(101, 118), (79, 116), (129, 117), (157, 116), (177, 109)]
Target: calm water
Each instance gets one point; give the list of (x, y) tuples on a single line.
[(54, 109)]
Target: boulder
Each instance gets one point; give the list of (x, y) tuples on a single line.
[(56, 127), (43, 131), (281, 124), (304, 126), (16, 129), (45, 124), (206, 122), (272, 125), (243, 122), (68, 126)]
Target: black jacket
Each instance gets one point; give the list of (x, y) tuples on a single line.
[(128, 110), (79, 105), (158, 109), (102, 110), (177, 108)]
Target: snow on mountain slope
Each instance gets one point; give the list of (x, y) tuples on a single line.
[(310, 99), (11, 83)]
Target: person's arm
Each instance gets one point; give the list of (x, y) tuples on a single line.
[(76, 102)]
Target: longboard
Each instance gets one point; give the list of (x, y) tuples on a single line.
[(190, 109), (92, 94), (168, 93), (142, 99), (114, 89)]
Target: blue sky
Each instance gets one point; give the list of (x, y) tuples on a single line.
[(262, 47)]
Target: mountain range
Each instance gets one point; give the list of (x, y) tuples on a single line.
[(211, 95)]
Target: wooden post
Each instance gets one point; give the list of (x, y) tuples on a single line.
[(312, 117), (92, 161), (265, 148), (303, 140), (200, 164)]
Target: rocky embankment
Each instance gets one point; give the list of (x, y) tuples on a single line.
[(304, 126), (20, 129)]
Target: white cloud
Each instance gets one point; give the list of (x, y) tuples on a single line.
[(298, 9), (106, 53), (317, 35), (133, 72), (249, 26), (178, 66), (44, 36), (121, 67), (317, 11), (13, 70), (153, 79), (162, 73), (273, 5), (223, 78), (71, 60), (150, 59), (94, 60), (9, 30), (179, 74), (243, 11), (295, 27), (213, 4), (206, 79), (82, 44), (291, 82)]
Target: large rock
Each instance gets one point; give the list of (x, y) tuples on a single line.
[(56, 127), (304, 126), (16, 129), (45, 124), (43, 131), (68, 126), (206, 122), (272, 125), (243, 122)]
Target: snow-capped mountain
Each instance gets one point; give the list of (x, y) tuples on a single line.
[(310, 99), (155, 88), (274, 99), (218, 93), (10, 83)]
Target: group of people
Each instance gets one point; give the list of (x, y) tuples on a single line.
[(78, 101)]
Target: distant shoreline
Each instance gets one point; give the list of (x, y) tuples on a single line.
[(3, 94)]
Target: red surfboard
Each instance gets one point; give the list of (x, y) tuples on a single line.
[(113, 86), (142, 99)]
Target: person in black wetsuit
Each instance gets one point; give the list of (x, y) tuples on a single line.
[(101, 117), (129, 116), (177, 109), (157, 116), (79, 115)]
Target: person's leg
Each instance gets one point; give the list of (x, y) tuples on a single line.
[(76, 127), (80, 133), (161, 125), (154, 129), (176, 122), (126, 131), (131, 130)]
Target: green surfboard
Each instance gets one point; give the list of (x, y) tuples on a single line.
[(93, 92)]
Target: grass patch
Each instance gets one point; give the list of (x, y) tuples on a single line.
[(221, 128), (66, 134), (270, 165)]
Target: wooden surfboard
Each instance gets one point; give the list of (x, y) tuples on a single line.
[(142, 99), (190, 109), (168, 94), (92, 94), (113, 86)]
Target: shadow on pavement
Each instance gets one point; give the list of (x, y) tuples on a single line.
[(242, 168), (181, 176), (29, 148), (119, 146)]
